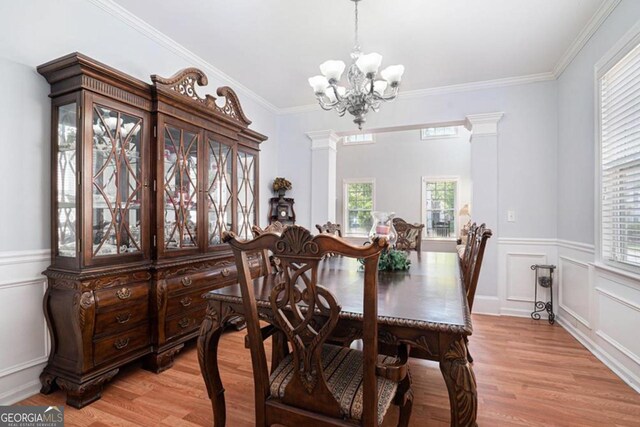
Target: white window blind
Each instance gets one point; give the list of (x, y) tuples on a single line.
[(620, 161)]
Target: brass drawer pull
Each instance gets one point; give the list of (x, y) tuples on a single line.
[(186, 281), (184, 323), (225, 272), (124, 293), (121, 343), (123, 318), (186, 301)]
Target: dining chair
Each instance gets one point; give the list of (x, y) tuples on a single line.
[(472, 272), (409, 235), (317, 383), (468, 248), (330, 228), (269, 261)]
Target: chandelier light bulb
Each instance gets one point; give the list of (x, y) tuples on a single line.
[(331, 95), (318, 83), (393, 74), (379, 86), (369, 63), (332, 69)]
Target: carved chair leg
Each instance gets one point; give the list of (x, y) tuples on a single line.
[(460, 380), (210, 333), (404, 399)]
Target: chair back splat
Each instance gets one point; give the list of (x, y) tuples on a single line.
[(409, 235), (471, 273), (330, 228), (307, 313)]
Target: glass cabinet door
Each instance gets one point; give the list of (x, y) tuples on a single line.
[(180, 185), (246, 170), (219, 195), (66, 177), (116, 183)]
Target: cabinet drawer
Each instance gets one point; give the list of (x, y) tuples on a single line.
[(184, 323), (121, 295), (210, 278), (123, 318), (186, 302), (120, 344)]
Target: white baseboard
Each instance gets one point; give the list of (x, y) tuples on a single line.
[(515, 312), (20, 393), (483, 304), (610, 362)]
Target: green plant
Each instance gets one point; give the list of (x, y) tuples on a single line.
[(393, 260), (281, 184)]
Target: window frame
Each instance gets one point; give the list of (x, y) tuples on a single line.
[(424, 137), (624, 46), (423, 205), (345, 202), (365, 142)]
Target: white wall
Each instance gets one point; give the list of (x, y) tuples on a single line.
[(34, 32), (597, 305), (527, 140), (398, 161)]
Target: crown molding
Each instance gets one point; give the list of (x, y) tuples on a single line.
[(154, 34), (483, 124), (589, 30)]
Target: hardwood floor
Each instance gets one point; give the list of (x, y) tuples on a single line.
[(529, 374)]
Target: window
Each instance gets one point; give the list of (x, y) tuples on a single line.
[(439, 201), (619, 129), (359, 201), (438, 132), (360, 138)]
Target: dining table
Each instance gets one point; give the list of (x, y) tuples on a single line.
[(424, 307)]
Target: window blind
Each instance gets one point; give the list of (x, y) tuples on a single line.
[(620, 161)]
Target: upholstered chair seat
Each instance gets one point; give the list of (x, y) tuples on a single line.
[(343, 374)]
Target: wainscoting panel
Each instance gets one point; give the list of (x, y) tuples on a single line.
[(520, 276), (516, 279), (25, 332), (574, 290)]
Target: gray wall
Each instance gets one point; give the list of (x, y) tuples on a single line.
[(527, 147), (576, 143), (398, 161), (56, 29)]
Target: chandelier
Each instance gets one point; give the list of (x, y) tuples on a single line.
[(365, 92)]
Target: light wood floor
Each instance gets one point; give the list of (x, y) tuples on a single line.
[(529, 374)]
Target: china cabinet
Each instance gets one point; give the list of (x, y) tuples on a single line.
[(145, 179)]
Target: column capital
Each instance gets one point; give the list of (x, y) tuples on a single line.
[(483, 124), (323, 139)]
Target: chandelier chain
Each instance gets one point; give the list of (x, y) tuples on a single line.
[(357, 45)]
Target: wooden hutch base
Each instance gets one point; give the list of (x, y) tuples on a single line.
[(145, 178)]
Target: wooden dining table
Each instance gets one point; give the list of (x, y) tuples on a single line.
[(424, 307)]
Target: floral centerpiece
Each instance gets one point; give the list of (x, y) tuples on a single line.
[(392, 260), (281, 186)]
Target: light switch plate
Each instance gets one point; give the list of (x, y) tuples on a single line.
[(511, 216)]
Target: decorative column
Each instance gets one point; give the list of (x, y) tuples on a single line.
[(323, 176), (484, 178)]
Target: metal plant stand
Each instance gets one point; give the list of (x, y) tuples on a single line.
[(544, 279)]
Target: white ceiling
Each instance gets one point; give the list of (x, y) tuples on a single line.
[(273, 46)]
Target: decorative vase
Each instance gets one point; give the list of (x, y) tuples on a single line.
[(383, 227)]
